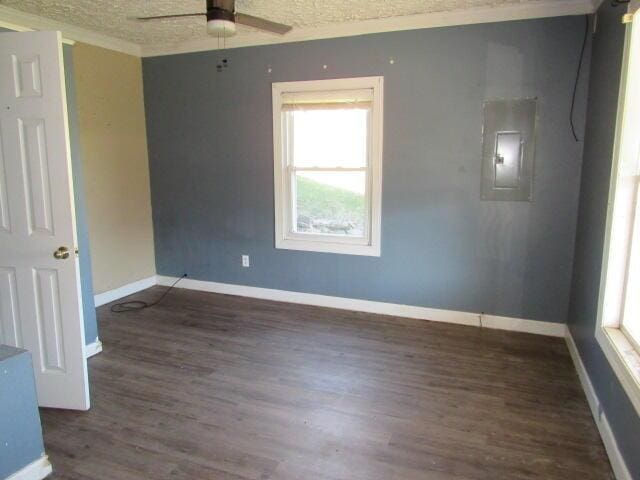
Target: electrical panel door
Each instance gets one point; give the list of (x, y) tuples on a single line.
[(508, 149)]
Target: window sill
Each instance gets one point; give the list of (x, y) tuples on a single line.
[(328, 247), (624, 360)]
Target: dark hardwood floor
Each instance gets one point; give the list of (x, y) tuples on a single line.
[(208, 386)]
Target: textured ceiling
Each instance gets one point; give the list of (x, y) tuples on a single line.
[(114, 17)]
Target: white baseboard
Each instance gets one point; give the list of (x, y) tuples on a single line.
[(369, 306), (34, 471), (618, 465), (124, 291), (537, 327), (93, 348)]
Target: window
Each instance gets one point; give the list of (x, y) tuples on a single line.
[(630, 319), (618, 329), (328, 165)]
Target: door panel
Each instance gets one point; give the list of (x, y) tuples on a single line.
[(10, 330), (40, 301), (26, 75), (35, 168), (5, 224), (49, 324)]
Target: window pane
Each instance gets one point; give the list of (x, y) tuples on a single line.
[(631, 316), (633, 328), (329, 138), (330, 203)]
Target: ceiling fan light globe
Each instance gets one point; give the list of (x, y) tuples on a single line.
[(221, 28)]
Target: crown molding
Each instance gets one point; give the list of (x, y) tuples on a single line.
[(21, 22), (522, 11)]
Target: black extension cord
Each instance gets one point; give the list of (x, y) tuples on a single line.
[(575, 86), (135, 305)]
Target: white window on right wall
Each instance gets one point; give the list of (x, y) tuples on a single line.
[(618, 326), (327, 137)]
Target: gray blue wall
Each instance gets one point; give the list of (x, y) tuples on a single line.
[(88, 305), (211, 162), (606, 67), (20, 431)]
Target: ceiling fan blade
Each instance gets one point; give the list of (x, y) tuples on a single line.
[(262, 24), (179, 15)]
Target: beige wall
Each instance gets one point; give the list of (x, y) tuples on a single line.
[(114, 154)]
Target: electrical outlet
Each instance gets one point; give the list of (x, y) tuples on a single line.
[(245, 260)]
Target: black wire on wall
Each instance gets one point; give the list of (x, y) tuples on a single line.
[(575, 86)]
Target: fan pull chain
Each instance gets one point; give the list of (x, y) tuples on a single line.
[(224, 63)]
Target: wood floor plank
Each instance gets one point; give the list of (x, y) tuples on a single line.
[(207, 386)]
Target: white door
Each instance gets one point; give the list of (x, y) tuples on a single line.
[(40, 301)]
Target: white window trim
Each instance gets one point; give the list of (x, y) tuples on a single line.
[(328, 243), (619, 351)]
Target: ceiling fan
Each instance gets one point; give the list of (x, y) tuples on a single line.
[(222, 19)]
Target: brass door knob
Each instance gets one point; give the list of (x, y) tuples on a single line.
[(61, 253)]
